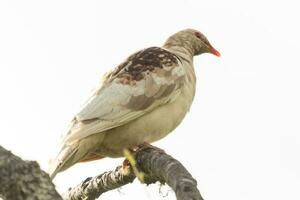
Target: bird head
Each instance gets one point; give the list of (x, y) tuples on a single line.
[(192, 41)]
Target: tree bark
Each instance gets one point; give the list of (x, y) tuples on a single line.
[(155, 163), (92, 188), (160, 166), (24, 180)]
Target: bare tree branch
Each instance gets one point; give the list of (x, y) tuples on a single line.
[(161, 166), (92, 188), (157, 165), (24, 180)]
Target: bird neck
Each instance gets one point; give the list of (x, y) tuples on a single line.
[(182, 53), (185, 53), (180, 47)]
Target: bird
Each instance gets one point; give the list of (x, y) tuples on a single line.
[(140, 101)]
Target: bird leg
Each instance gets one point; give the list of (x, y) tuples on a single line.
[(130, 161)]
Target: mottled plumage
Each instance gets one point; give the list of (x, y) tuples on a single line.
[(142, 100)]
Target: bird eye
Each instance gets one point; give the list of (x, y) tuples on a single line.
[(202, 38), (199, 35)]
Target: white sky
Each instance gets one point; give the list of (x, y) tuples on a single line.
[(241, 138)]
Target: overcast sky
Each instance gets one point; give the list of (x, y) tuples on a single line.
[(241, 139)]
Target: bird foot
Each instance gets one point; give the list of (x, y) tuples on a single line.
[(147, 145), (126, 166), (130, 161), (126, 163)]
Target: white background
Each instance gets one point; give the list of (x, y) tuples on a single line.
[(241, 138)]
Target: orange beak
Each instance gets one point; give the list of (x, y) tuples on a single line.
[(215, 51)]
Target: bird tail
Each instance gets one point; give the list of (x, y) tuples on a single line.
[(63, 160)]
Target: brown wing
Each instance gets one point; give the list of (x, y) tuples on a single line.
[(147, 79)]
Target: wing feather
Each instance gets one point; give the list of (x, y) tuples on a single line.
[(146, 80)]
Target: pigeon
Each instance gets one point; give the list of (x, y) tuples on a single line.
[(141, 101)]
